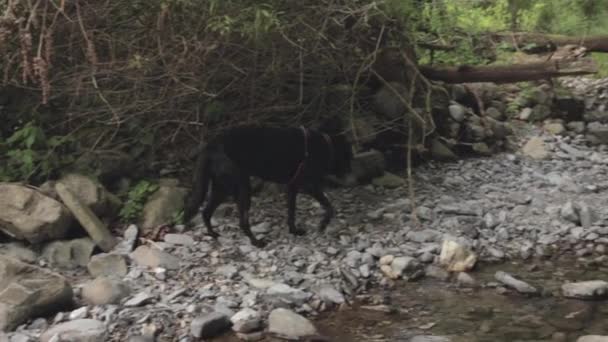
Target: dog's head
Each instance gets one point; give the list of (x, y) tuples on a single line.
[(343, 155)]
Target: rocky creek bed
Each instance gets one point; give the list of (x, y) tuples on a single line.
[(510, 247)]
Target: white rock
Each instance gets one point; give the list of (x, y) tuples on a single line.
[(82, 330), (586, 289), (289, 325)]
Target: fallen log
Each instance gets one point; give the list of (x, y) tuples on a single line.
[(521, 39), (510, 73)]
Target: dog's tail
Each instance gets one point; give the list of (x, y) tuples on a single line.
[(200, 185)]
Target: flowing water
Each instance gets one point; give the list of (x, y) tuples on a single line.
[(483, 314)]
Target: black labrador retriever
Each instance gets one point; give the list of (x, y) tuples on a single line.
[(297, 157)]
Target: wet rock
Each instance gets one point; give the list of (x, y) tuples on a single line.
[(27, 214), (85, 330), (246, 321), (152, 257), (514, 283), (437, 273), (28, 291), (69, 253), (105, 290), (163, 204), (535, 148), (210, 325), (289, 325), (456, 257), (465, 279), (586, 289), (107, 265), (405, 265)]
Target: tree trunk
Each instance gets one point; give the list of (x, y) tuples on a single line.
[(520, 39), (510, 73)]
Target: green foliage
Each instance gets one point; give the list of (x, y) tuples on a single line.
[(136, 197), (28, 155)]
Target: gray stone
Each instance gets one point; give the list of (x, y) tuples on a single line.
[(92, 194), (525, 114), (389, 181), (261, 228), (514, 283), (441, 151), (289, 325), (210, 325), (105, 290), (599, 131), (228, 271), (142, 298), (79, 313), (457, 112), (28, 291), (405, 264), (425, 235), (27, 214), (152, 257), (535, 148), (465, 279), (69, 253), (569, 212), (162, 205), (108, 265), (179, 239), (329, 294), (81, 330), (586, 289), (127, 244), (287, 293), (18, 251), (246, 321)]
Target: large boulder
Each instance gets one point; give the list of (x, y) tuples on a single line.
[(92, 194), (27, 214), (28, 291), (163, 204)]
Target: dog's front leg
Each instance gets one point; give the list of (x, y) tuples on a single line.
[(292, 193), (318, 194), (243, 204)]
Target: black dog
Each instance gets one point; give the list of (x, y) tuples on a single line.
[(297, 157)]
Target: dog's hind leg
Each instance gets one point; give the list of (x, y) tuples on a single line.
[(292, 193), (217, 197), (244, 203), (318, 194)]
